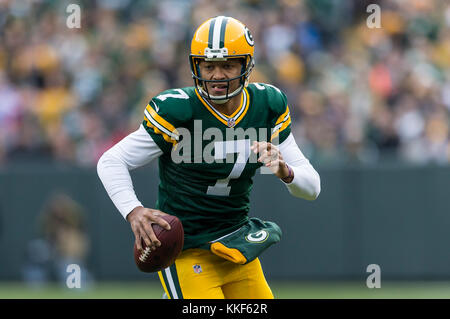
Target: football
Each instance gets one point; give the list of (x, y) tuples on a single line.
[(172, 242)]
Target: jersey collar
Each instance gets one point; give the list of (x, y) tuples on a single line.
[(229, 120)]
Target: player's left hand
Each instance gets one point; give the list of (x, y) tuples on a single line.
[(270, 156)]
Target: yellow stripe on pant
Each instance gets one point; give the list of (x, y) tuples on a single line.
[(199, 274)]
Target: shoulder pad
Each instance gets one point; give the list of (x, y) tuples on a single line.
[(276, 99), (175, 104)]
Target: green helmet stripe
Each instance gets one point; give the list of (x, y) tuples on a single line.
[(222, 32), (211, 33)]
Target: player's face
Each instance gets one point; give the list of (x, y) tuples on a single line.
[(221, 70)]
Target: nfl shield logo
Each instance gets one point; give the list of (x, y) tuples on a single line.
[(231, 122), (197, 268)]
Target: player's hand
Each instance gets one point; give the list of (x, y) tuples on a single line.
[(270, 156), (141, 220)]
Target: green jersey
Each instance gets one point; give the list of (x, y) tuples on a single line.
[(207, 166)]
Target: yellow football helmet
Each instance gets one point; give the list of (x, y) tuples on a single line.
[(219, 39)]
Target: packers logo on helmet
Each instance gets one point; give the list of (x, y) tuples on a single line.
[(249, 37), (219, 39)]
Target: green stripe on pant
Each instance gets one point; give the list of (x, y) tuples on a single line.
[(172, 283)]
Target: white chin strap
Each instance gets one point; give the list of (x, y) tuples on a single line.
[(221, 99)]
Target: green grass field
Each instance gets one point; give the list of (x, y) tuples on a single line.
[(284, 290)]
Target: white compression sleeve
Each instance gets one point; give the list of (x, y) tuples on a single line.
[(306, 182), (135, 150)]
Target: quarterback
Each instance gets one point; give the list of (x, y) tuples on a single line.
[(211, 197)]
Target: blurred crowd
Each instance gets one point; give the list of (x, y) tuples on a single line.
[(356, 94)]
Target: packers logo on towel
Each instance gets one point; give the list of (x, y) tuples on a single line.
[(258, 237)]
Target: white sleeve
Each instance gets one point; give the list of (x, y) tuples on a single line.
[(306, 182), (135, 150)]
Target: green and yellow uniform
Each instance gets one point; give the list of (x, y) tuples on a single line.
[(211, 198)]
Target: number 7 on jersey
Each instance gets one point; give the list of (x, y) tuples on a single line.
[(221, 149)]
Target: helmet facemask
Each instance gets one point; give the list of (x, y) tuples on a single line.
[(201, 83)]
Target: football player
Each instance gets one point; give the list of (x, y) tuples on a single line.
[(210, 198)]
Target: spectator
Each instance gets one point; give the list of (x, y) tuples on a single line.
[(62, 241)]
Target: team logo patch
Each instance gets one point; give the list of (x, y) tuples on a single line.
[(197, 268), (249, 37), (258, 237)]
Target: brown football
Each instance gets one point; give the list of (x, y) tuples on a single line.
[(172, 242)]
